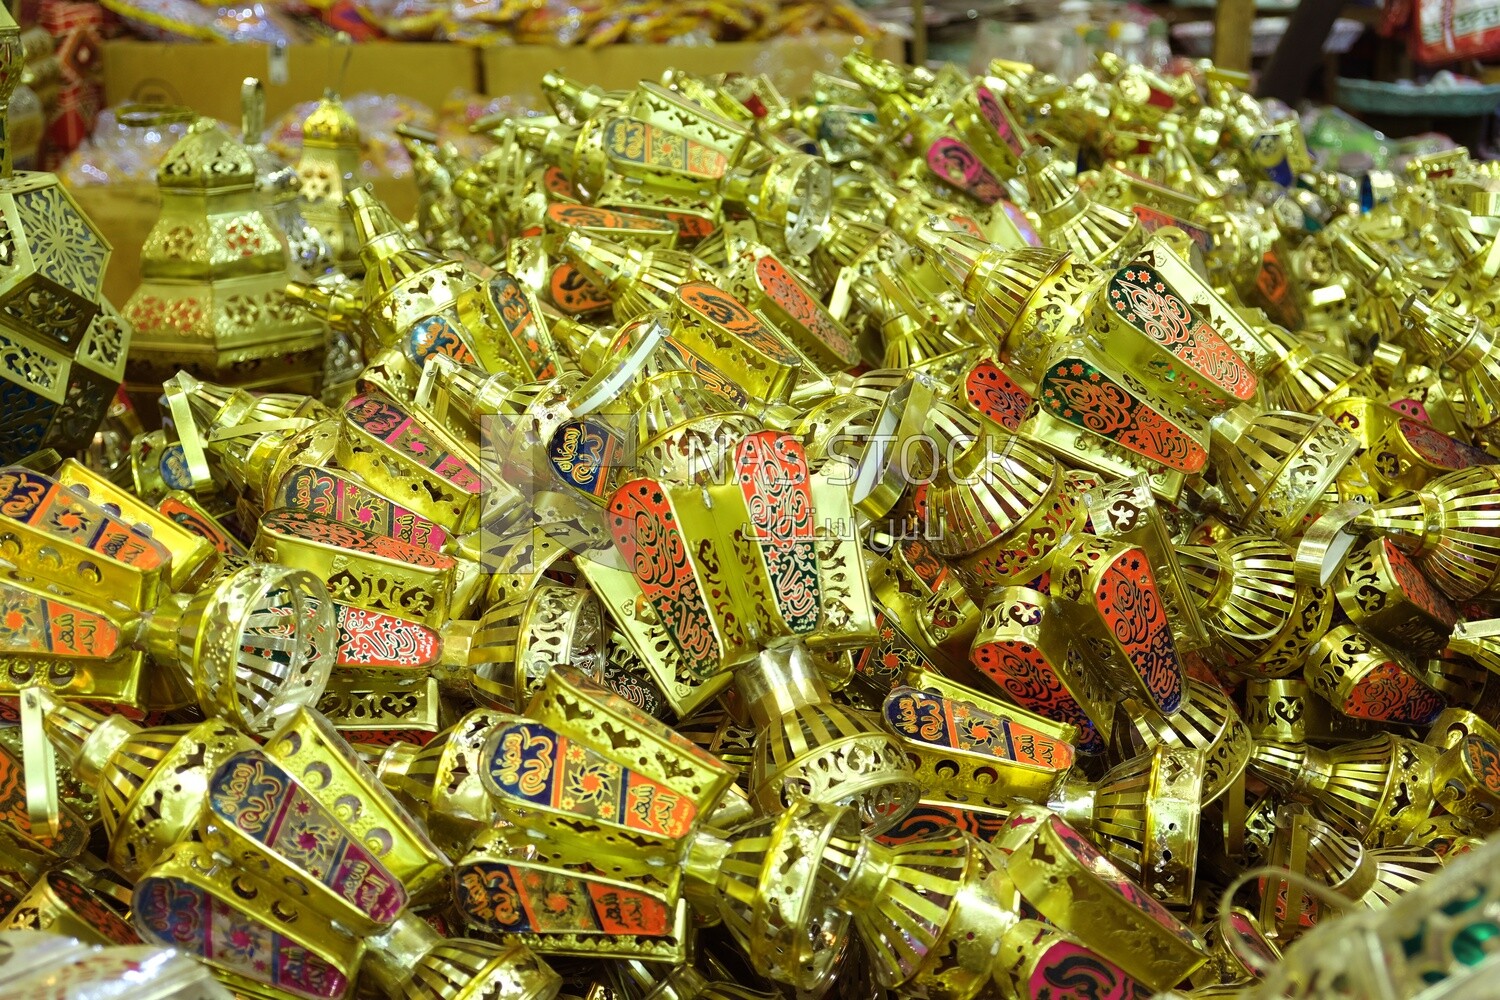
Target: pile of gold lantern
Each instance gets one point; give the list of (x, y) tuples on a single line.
[(936, 536)]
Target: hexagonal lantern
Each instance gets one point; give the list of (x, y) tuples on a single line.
[(214, 268), (62, 346), (329, 170), (308, 254)]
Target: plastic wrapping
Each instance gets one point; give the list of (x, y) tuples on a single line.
[(46, 967), (116, 152), (119, 153), (176, 20)]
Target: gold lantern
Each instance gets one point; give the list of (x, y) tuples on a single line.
[(213, 273), (1379, 790), (329, 170), (62, 346)]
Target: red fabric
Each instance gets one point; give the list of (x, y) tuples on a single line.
[(72, 119), (1444, 31), (78, 28)]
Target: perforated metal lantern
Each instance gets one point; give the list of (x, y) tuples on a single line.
[(214, 270), (62, 346), (328, 170)]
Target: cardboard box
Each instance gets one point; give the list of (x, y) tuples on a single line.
[(125, 214), (516, 70), (206, 77)]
